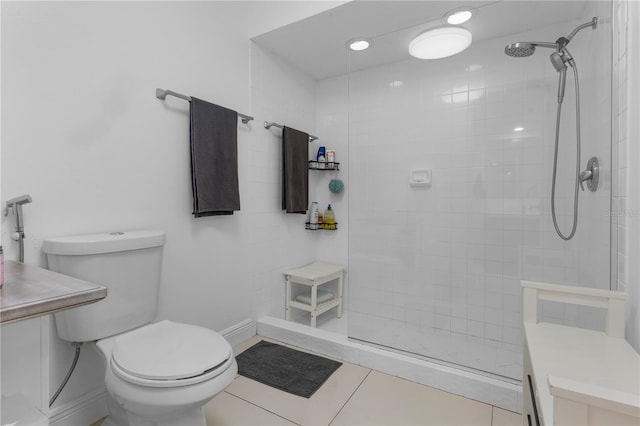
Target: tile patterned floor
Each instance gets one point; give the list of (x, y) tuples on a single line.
[(353, 395)]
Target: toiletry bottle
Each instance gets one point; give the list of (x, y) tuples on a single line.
[(1, 267), (320, 158), (331, 157), (320, 220), (313, 215), (321, 154), (329, 218)]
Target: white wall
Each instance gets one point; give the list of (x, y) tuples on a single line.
[(84, 135), (332, 116), (284, 95)]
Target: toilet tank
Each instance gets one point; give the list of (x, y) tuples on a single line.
[(127, 263)]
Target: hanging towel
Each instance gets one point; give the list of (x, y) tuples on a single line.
[(214, 159), (295, 170)]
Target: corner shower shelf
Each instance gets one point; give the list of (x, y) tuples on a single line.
[(325, 227), (324, 166)]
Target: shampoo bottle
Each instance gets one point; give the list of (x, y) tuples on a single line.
[(313, 216), (320, 158), (329, 218)]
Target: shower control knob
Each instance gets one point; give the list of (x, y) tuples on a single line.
[(585, 175), (15, 236), (590, 175)]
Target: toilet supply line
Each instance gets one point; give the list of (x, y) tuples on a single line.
[(76, 345)]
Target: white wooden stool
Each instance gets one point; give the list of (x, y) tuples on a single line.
[(314, 275)]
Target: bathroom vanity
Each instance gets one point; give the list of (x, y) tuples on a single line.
[(28, 296), (30, 291), (574, 376)]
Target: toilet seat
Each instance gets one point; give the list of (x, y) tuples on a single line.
[(168, 354)]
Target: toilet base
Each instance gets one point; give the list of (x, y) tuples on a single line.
[(119, 417), (135, 405)]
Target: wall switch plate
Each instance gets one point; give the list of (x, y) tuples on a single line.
[(420, 177)]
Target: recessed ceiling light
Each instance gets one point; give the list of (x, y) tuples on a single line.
[(518, 129), (360, 43), (459, 17), (440, 43)]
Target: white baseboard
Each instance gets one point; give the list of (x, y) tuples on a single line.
[(83, 411), (240, 332)]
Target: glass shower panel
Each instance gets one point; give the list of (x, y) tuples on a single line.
[(435, 270)]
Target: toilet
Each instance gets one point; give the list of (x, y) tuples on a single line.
[(159, 373)]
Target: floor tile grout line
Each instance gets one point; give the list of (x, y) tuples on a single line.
[(491, 406), (262, 408), (349, 398)]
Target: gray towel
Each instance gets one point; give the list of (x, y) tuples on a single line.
[(295, 170), (214, 159)]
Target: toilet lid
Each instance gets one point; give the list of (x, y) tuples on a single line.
[(168, 351)]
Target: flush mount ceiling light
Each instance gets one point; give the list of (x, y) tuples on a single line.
[(440, 43), (359, 43)]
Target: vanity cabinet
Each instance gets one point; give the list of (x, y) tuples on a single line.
[(574, 376), (27, 299)]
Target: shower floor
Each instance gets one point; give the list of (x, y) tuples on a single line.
[(458, 351)]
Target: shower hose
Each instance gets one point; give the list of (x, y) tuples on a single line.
[(555, 162)]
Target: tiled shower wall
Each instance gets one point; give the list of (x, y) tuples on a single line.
[(625, 212), (435, 270)]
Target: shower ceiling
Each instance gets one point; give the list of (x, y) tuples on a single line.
[(316, 45)]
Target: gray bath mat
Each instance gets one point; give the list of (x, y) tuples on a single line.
[(284, 368)]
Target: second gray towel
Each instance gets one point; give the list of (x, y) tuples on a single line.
[(295, 170), (214, 159)]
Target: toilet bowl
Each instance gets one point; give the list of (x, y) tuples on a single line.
[(156, 373), (164, 373)]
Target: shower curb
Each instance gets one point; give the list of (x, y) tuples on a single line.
[(471, 385)]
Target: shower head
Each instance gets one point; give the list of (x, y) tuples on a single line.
[(560, 59), (522, 49)]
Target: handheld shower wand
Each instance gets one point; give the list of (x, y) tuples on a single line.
[(15, 204), (559, 59)]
